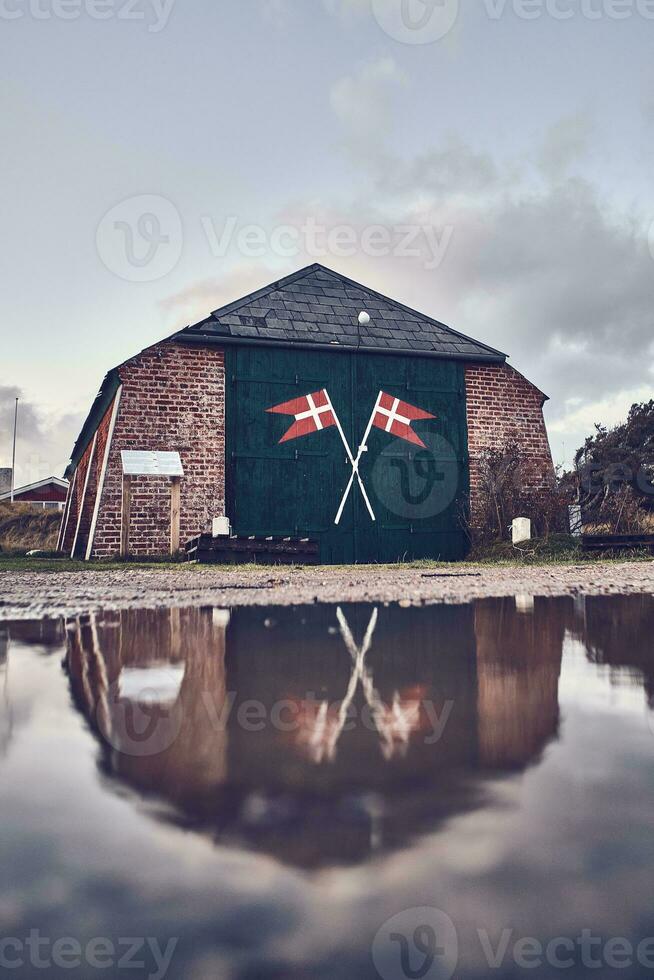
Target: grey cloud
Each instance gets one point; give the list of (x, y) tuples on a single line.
[(199, 299), (347, 8), (455, 168), (565, 143), (541, 265), (363, 104), (571, 276), (44, 440), (30, 423)]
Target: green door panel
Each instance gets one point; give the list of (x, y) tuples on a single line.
[(294, 489)]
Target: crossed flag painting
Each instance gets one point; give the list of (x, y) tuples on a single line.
[(315, 412)]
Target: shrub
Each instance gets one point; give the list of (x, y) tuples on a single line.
[(508, 489), (614, 474)]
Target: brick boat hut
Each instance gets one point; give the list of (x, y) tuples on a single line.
[(296, 417)]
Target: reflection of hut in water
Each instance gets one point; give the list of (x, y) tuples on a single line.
[(229, 762), (5, 706), (519, 649), (149, 682), (46, 633), (618, 632), (242, 729)]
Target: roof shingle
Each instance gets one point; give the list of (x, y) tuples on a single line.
[(320, 307)]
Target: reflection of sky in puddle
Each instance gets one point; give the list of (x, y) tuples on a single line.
[(156, 684), (531, 812)]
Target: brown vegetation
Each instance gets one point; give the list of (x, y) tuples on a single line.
[(506, 490), (25, 527)]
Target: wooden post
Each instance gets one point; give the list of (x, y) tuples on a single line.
[(175, 509), (83, 500), (125, 516)]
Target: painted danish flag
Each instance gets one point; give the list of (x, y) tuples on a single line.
[(312, 413), (395, 416)]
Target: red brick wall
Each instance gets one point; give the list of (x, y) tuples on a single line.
[(172, 399), (506, 409)]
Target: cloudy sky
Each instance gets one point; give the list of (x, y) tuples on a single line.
[(489, 163)]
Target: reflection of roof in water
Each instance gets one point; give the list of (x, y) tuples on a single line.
[(257, 746)]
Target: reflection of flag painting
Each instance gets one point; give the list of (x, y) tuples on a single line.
[(395, 416), (312, 413), (321, 724)]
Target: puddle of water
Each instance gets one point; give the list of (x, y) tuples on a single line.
[(332, 792)]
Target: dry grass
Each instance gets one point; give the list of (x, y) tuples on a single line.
[(646, 526), (24, 527)]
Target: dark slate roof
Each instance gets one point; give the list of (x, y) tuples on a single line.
[(319, 307)]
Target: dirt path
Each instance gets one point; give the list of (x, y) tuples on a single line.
[(26, 594)]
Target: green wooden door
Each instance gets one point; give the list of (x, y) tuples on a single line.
[(294, 489)]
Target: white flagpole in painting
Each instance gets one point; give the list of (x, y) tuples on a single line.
[(358, 657), (355, 470), (355, 464)]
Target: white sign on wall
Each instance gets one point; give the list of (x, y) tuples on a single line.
[(151, 464)]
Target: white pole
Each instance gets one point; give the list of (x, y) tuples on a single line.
[(349, 455), (13, 455), (355, 466)]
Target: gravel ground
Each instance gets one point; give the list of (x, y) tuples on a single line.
[(30, 595)]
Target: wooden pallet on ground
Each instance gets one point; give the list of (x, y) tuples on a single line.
[(208, 550), (617, 542)]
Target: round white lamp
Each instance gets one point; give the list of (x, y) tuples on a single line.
[(364, 319)]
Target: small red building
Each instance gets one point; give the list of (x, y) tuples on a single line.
[(50, 494)]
